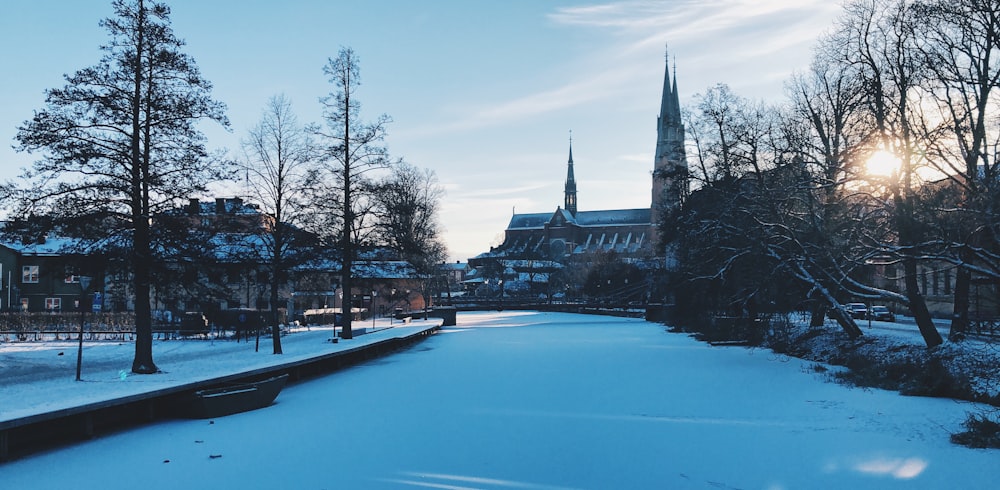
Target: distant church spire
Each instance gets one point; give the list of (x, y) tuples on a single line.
[(670, 184), (570, 190)]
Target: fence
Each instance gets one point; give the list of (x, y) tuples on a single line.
[(26, 326)]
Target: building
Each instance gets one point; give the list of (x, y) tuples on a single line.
[(567, 231), (44, 275), (213, 256)]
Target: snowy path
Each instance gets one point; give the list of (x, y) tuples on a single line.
[(38, 377), (539, 401)]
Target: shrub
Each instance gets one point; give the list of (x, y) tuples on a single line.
[(981, 431)]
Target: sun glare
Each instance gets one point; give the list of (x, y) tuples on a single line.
[(882, 163)]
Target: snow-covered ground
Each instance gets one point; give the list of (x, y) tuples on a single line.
[(537, 401), (38, 377)]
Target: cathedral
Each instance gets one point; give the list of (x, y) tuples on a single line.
[(567, 232)]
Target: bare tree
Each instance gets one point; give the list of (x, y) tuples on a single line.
[(715, 125), (730, 235), (958, 45), (280, 172), (407, 210), (878, 39), (824, 126), (352, 148), (407, 202), (120, 142)]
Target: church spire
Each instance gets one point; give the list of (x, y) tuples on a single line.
[(676, 102), (670, 185), (669, 118), (570, 189)]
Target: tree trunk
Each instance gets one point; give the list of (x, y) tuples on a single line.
[(142, 363), (837, 312), (275, 328), (347, 245), (918, 306), (346, 304), (846, 322), (818, 316), (960, 315)]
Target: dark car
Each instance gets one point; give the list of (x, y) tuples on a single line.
[(193, 323), (882, 313), (858, 311)]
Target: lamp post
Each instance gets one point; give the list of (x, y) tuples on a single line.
[(84, 284), (374, 294), (340, 297), (392, 305), (500, 307)]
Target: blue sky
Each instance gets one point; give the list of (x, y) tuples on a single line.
[(485, 93)]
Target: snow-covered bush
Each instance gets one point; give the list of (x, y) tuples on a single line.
[(981, 431)]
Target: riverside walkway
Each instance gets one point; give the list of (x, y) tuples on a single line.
[(42, 402)]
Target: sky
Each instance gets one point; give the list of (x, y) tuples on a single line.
[(485, 94), (512, 400)]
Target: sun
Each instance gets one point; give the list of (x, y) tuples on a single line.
[(882, 163)]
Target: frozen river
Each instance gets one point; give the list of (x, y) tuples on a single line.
[(541, 401)]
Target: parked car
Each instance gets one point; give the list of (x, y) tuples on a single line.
[(882, 313), (858, 311)]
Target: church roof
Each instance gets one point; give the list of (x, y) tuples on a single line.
[(529, 221), (614, 217)]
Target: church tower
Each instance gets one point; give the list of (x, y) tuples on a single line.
[(670, 183), (570, 189)]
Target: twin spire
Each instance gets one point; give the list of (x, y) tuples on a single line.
[(669, 119), (670, 184), (670, 154)]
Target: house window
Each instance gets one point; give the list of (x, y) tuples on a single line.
[(29, 274), (53, 303), (71, 277)]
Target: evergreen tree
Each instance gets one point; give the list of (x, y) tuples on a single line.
[(120, 143)]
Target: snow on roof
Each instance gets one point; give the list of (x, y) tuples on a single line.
[(532, 264), (611, 217), (365, 269), (640, 216), (384, 269), (222, 205), (528, 221), (455, 266), (239, 247), (51, 246)]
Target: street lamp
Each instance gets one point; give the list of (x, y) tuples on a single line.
[(500, 307), (392, 305), (84, 284), (374, 294)]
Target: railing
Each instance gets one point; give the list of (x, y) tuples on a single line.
[(985, 328), (593, 306), (33, 326)]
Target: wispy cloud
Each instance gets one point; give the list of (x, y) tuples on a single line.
[(572, 94), (719, 35), (579, 91), (772, 24)]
